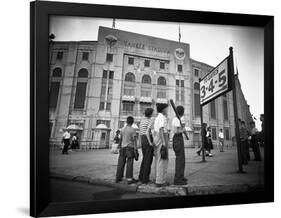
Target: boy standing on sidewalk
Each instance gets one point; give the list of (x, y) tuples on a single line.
[(178, 146), (128, 145)]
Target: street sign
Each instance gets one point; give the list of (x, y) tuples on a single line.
[(215, 83)]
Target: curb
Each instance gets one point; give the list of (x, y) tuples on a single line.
[(171, 190), (88, 180)]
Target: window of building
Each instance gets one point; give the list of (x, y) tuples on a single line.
[(80, 95), (59, 55), (227, 133), (111, 74), (146, 63), (146, 79), (179, 68), (83, 73), (161, 81), (177, 82), (225, 110), (196, 72), (214, 133), (213, 109), (109, 57), (85, 56), (130, 91), (161, 93), (108, 106), (196, 86), (130, 77), (128, 107), (162, 65), (101, 106), (182, 83), (196, 104), (54, 93), (130, 60), (145, 92), (104, 74), (57, 72), (81, 88)]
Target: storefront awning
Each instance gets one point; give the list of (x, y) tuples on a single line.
[(128, 98), (146, 99)]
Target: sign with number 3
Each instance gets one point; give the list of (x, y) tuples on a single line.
[(214, 83)]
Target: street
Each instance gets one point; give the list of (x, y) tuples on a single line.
[(221, 169)]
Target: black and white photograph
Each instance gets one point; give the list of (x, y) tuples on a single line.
[(148, 109)]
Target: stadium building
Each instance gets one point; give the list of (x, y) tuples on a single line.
[(95, 85)]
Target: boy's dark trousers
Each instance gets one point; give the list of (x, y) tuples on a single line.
[(66, 144), (126, 154), (147, 152), (244, 151), (178, 146)]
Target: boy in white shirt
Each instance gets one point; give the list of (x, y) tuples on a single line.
[(178, 146), (221, 140), (160, 138)]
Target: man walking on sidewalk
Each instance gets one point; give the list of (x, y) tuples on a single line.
[(128, 145), (66, 141), (221, 140)]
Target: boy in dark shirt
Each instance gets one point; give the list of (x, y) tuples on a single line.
[(127, 152)]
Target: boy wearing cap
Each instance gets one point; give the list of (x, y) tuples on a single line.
[(161, 144)]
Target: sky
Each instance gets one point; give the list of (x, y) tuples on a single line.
[(208, 43)]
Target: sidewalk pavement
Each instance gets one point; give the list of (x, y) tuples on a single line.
[(216, 176)]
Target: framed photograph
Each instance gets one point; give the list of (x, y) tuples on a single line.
[(141, 109)]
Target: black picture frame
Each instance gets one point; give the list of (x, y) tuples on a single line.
[(39, 110)]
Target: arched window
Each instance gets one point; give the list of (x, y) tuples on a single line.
[(130, 77), (83, 73), (81, 88), (57, 72), (196, 86), (146, 79), (161, 81)]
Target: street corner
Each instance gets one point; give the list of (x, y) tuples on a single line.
[(171, 190)]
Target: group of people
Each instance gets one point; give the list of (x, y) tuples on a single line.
[(69, 140), (153, 138), (250, 138), (207, 140)]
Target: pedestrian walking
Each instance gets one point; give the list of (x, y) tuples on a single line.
[(66, 141), (244, 135), (146, 141), (221, 140), (205, 139), (128, 145), (74, 142), (178, 146), (160, 138), (116, 141), (254, 141), (210, 143)]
